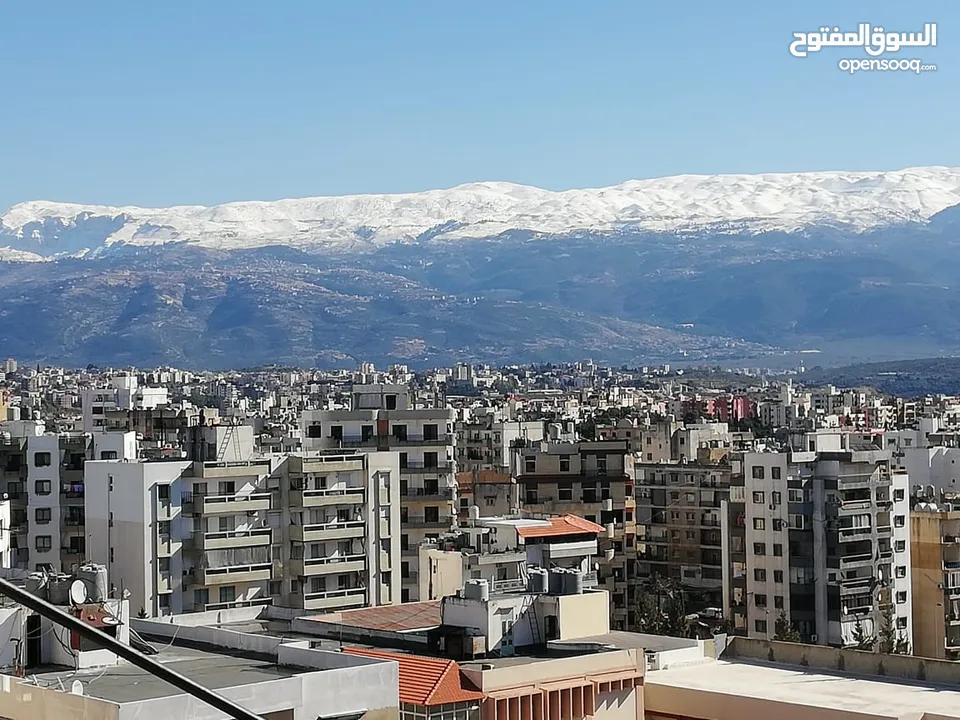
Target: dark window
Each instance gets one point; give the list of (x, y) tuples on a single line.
[(41, 459)]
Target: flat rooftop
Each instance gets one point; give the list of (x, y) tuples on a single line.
[(812, 688), (127, 683), (396, 618), (629, 641)]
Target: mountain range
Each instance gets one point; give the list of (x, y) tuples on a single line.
[(729, 268)]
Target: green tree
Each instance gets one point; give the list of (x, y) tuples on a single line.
[(785, 631), (863, 640), (890, 640), (661, 609)]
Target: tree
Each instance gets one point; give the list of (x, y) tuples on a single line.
[(661, 609), (890, 640), (863, 640), (785, 631)]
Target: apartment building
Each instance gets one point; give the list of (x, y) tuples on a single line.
[(384, 418), (313, 531), (679, 510), (504, 551), (122, 392), (588, 479), (493, 492), (935, 575), (43, 476), (820, 536), (484, 440)]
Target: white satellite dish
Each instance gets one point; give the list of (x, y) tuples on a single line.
[(110, 620), (78, 592), (76, 688)]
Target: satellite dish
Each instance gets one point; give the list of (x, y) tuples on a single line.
[(110, 620), (76, 688), (78, 592)]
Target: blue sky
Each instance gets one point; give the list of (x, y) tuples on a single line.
[(207, 102)]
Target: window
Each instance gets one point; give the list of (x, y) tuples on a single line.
[(778, 576), (228, 594), (313, 431), (336, 433), (759, 549), (691, 535), (108, 454), (760, 625), (775, 497), (777, 550), (757, 472), (901, 623), (797, 522), (760, 600), (777, 524), (795, 495), (778, 602), (564, 463), (760, 575), (901, 571), (391, 401), (164, 602), (900, 545), (775, 473), (201, 597), (163, 492), (758, 497), (42, 516), (41, 487), (898, 520), (44, 543), (163, 564), (565, 491), (41, 459), (898, 495), (901, 597), (759, 524), (530, 465)]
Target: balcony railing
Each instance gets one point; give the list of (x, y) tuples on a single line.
[(421, 440), (438, 493), (72, 490), (422, 522), (419, 467), (238, 604), (334, 594), (333, 560)]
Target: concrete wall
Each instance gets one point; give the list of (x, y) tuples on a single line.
[(22, 701), (12, 629), (857, 662), (441, 573)]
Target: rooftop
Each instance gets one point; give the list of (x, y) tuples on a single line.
[(808, 687), (426, 680), (396, 618), (559, 526), (126, 683)]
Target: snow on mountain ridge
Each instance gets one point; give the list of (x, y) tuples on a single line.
[(857, 201)]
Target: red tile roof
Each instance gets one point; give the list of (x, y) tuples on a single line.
[(426, 681), (565, 525)]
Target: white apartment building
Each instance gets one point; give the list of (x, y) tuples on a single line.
[(123, 393), (314, 531), (820, 535), (383, 418), (6, 557), (484, 440)]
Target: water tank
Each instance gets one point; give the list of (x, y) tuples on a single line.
[(474, 512), (573, 583), (553, 431), (6, 437), (538, 581), (94, 578), (555, 582), (483, 590), (58, 589), (476, 590), (36, 584)]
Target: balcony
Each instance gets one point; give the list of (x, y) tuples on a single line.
[(336, 530), (351, 597), (243, 468), (329, 565), (419, 468), (425, 524), (849, 534), (73, 520), (230, 575), (508, 585), (440, 494), (557, 550), (72, 490), (238, 604), (352, 441), (854, 506), (411, 440), (325, 497), (863, 560), (475, 559), (226, 504), (232, 539)]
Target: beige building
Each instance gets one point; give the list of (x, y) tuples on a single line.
[(935, 573), (591, 480), (385, 418)]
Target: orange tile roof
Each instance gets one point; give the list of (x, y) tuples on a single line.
[(465, 481), (426, 681), (565, 525)]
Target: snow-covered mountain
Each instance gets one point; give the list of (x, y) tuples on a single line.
[(749, 204)]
